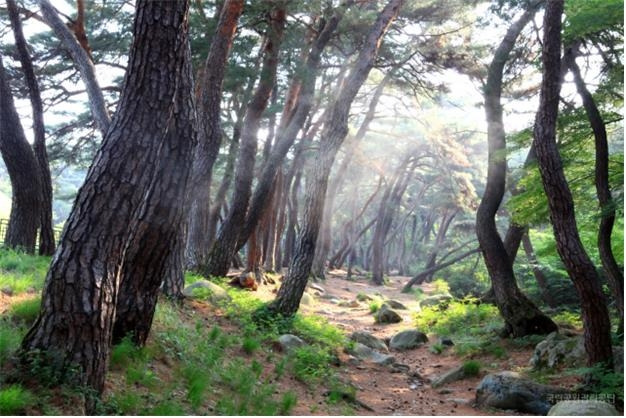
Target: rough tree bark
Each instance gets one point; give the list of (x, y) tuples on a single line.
[(335, 129), (607, 207), (46, 232), (23, 172), (209, 132), (520, 315), (225, 246), (132, 194), (83, 64), (582, 272)]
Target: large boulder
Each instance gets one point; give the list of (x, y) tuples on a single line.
[(205, 288), (386, 315), (436, 300), (289, 342), (508, 390), (408, 339), (369, 340), (363, 352), (583, 407), (558, 349)]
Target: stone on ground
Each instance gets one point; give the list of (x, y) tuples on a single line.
[(508, 390), (451, 375), (386, 315), (435, 300), (363, 352), (408, 339), (369, 340), (288, 342), (216, 292), (394, 304), (558, 349), (583, 407)]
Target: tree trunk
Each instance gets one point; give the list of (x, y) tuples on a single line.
[(542, 281), (23, 172), (582, 272), (130, 206), (419, 278), (209, 132), (521, 316), (83, 64), (224, 248), (607, 207), (335, 129), (46, 232)]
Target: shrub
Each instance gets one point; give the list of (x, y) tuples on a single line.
[(250, 344), (441, 286), (374, 307), (311, 363), (14, 399), (471, 368)]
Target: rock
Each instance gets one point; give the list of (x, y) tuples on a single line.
[(350, 304), (363, 352), (451, 375), (406, 340), (215, 293), (394, 304), (335, 301), (435, 300), (307, 299), (386, 315), (508, 390), (446, 342), (7, 291), (583, 407), (399, 368), (317, 287), (289, 342), (369, 340), (458, 401), (557, 349)]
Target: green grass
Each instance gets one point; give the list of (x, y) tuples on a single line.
[(21, 272), (311, 364), (250, 344), (14, 400), (374, 307), (471, 368), (10, 337), (441, 286), (26, 310)]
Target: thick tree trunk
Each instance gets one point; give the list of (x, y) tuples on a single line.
[(23, 172), (174, 276), (335, 129), (130, 206), (596, 323), (83, 64), (224, 248), (209, 132), (521, 316), (607, 207), (46, 232)]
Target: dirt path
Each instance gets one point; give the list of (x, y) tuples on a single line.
[(386, 392)]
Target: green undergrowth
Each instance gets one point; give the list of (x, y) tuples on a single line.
[(472, 326), (21, 272)]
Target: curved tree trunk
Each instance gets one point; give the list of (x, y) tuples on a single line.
[(613, 270), (582, 272), (129, 207), (335, 129), (225, 246), (46, 232), (521, 316), (23, 171), (209, 132), (83, 64)]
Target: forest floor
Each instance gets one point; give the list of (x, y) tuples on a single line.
[(207, 358)]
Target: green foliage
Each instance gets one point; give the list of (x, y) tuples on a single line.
[(10, 337), (602, 380), (14, 400), (374, 307), (311, 363), (26, 310), (250, 344), (140, 375), (317, 330), (573, 319), (197, 382), (125, 403), (125, 353), (471, 368), (441, 286), (166, 408), (589, 18), (437, 348)]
